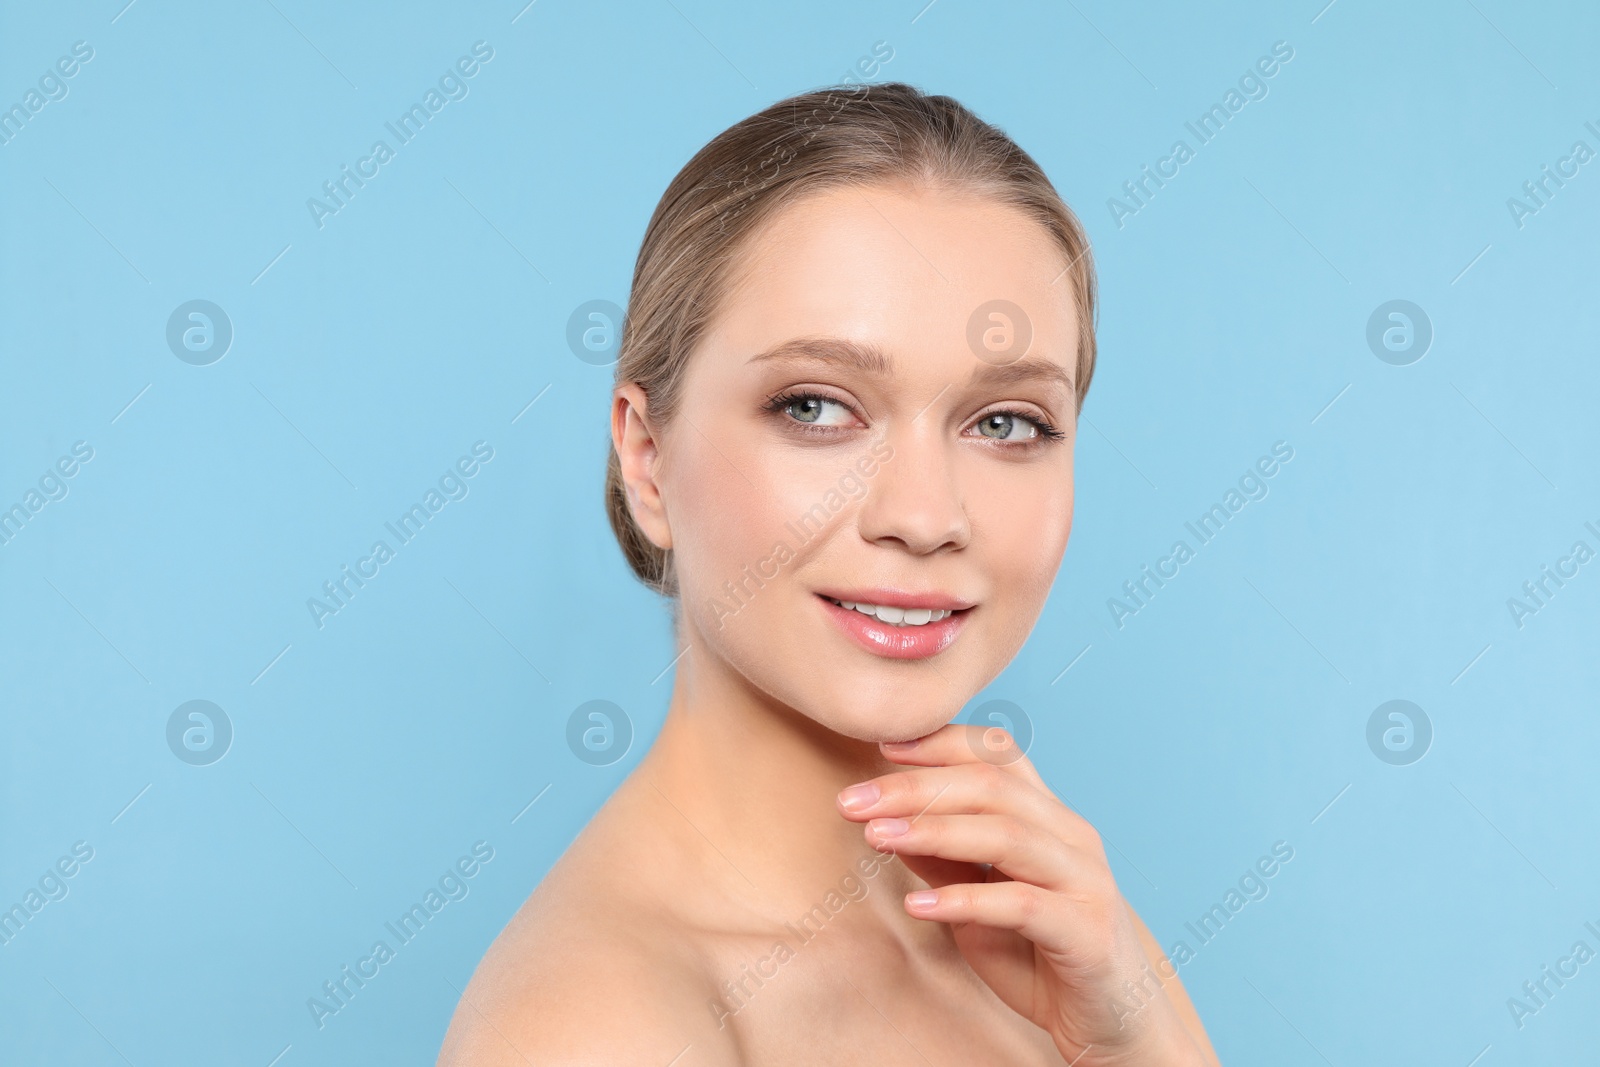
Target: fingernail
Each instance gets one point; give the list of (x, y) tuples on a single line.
[(922, 899), (890, 827), (859, 797), (903, 746)]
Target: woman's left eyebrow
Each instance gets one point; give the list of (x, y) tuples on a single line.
[(1022, 372), (864, 356)]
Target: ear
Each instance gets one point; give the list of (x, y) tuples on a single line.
[(638, 453)]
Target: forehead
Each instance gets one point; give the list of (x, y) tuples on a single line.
[(906, 267)]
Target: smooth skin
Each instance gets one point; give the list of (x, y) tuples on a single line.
[(742, 898)]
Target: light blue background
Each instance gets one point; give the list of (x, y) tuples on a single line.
[(426, 315)]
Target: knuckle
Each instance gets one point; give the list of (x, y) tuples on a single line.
[(1104, 884), (899, 788), (991, 779), (960, 897), (1014, 835), (1028, 900), (926, 829), (1081, 832)]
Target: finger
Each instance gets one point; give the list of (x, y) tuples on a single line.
[(958, 743), (934, 870), (1014, 847), (1035, 913), (941, 872), (970, 788)]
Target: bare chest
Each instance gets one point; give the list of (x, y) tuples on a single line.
[(838, 997)]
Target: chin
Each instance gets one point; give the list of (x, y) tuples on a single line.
[(870, 704), (910, 730)]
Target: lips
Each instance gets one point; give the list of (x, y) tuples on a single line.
[(907, 639), (898, 599)]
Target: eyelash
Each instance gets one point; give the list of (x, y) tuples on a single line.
[(779, 401)]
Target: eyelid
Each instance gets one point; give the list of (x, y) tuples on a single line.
[(1028, 410), (1047, 429), (791, 393)]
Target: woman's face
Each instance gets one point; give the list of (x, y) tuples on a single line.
[(856, 428)]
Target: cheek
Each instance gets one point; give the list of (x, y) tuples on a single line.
[(1034, 509), (1026, 534), (748, 488), (732, 504), (717, 517)]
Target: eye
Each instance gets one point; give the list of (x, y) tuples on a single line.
[(1010, 426), (812, 409)]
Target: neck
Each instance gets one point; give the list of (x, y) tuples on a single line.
[(757, 780)]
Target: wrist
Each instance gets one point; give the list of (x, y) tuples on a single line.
[(1169, 1044)]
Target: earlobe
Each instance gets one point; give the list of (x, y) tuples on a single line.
[(638, 454)]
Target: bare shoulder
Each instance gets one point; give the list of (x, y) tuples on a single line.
[(593, 969), (580, 997), (1175, 991)]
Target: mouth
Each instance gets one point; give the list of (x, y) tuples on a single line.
[(907, 627)]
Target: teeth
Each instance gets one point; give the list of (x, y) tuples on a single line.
[(895, 616)]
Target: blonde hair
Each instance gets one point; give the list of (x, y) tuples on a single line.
[(853, 135)]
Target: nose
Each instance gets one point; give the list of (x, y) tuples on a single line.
[(915, 502)]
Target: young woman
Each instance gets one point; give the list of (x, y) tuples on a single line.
[(860, 330)]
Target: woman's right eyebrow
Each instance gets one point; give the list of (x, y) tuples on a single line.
[(864, 356)]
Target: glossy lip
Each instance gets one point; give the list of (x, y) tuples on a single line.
[(899, 642), (895, 598)]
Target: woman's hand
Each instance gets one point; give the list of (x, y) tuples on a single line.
[(1024, 884)]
